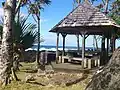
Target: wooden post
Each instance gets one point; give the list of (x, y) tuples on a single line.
[(112, 42), (64, 35), (57, 56), (102, 61), (107, 50), (83, 49), (78, 45)]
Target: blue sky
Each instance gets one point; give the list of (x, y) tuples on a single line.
[(50, 16)]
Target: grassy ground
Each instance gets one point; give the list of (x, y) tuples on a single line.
[(28, 68)]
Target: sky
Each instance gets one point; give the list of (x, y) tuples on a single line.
[(50, 16)]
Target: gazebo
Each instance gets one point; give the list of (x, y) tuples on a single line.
[(86, 20)]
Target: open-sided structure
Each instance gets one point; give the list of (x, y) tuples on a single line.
[(85, 20)]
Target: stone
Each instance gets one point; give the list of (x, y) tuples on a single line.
[(29, 78), (107, 78), (49, 69)]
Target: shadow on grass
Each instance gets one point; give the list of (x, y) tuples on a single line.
[(29, 71), (36, 83), (77, 81)]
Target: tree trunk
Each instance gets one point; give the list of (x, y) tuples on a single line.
[(38, 47), (7, 46)]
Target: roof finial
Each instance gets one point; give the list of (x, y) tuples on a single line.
[(78, 1)]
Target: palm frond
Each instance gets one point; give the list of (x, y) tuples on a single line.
[(24, 34)]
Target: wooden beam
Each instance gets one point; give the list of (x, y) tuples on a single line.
[(86, 36), (57, 43), (83, 49), (63, 35)]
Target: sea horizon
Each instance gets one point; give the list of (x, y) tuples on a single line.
[(53, 47)]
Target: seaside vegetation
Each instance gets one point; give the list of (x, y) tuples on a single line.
[(20, 41)]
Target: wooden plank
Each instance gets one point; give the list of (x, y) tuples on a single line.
[(77, 59)]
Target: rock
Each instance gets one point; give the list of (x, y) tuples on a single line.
[(107, 78), (41, 73), (50, 86), (49, 69), (49, 75), (29, 78)]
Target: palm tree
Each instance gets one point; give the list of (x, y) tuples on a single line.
[(35, 10)]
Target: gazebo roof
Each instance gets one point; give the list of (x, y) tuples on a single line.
[(85, 18)]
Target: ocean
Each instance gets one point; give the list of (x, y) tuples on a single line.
[(53, 48)]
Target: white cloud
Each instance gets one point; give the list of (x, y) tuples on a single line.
[(1, 12)]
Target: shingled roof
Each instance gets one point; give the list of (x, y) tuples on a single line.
[(85, 18)]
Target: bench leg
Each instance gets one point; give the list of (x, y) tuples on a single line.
[(98, 62), (89, 64), (60, 59), (85, 63), (95, 61)]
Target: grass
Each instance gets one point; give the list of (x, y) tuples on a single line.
[(21, 85)]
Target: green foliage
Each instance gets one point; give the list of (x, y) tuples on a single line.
[(37, 5), (24, 34), (115, 11)]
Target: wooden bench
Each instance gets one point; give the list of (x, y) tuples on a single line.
[(88, 63)]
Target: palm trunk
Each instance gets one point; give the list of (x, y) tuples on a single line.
[(41, 67), (7, 46), (38, 52)]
